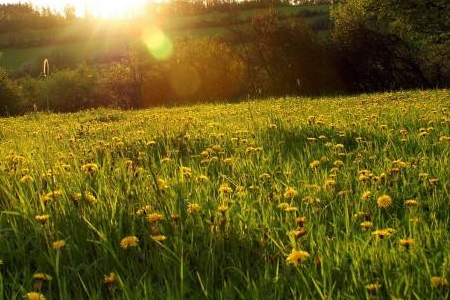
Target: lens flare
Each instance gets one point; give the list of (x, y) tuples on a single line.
[(158, 43)]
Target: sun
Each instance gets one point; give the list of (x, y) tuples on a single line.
[(112, 8)]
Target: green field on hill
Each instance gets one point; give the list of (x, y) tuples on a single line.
[(80, 42), (295, 198)]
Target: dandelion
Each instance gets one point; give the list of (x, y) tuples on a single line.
[(373, 287), (58, 245), (26, 179), (225, 189), (382, 233), (384, 201), (162, 184), (186, 172), (366, 195), (42, 277), (129, 242), (193, 208), (202, 178), (222, 209), (296, 257), (110, 279), (290, 193), (411, 203), (41, 218), (158, 238), (315, 164), (330, 184), (366, 225), (406, 242), (439, 282), (90, 169), (35, 296), (155, 217)]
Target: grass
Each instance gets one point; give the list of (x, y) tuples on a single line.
[(222, 188), (80, 42)]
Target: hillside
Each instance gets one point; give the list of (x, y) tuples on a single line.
[(295, 198), (93, 41)]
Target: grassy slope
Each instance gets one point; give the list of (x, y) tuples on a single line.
[(240, 253), (95, 44)]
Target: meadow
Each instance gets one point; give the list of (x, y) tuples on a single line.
[(88, 41), (294, 198)]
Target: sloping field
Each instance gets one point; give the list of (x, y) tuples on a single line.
[(80, 42), (337, 198)]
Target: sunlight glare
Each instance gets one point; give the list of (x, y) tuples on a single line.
[(158, 43)]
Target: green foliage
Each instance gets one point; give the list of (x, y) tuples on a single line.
[(10, 95)]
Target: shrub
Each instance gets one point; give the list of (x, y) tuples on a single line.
[(10, 95)]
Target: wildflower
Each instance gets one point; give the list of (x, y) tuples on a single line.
[(296, 257), (406, 242), (222, 209), (155, 217), (42, 277), (411, 203), (366, 195), (41, 218), (310, 199), (382, 233), (264, 176), (315, 164), (34, 296), (110, 279), (283, 205), (159, 238), (58, 245), (384, 201), (439, 282), (366, 225), (186, 172), (151, 143), (290, 193), (162, 185), (90, 168), (225, 189), (330, 183), (129, 242), (373, 287), (193, 208), (434, 181), (273, 126), (26, 179), (202, 178), (338, 163), (290, 209)]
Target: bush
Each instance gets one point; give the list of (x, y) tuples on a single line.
[(10, 95)]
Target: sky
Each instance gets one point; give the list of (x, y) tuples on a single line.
[(105, 8)]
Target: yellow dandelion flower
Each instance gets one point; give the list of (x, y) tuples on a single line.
[(42, 277), (26, 179), (283, 205), (159, 238), (366, 225), (202, 178), (225, 189), (291, 209), (411, 203), (330, 184), (315, 164), (42, 218), (193, 208), (296, 257), (373, 287), (290, 193), (155, 217), (222, 209), (408, 242), (382, 233), (384, 201), (35, 296), (129, 242), (110, 279), (366, 195), (440, 282), (162, 184), (91, 168), (58, 245)]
